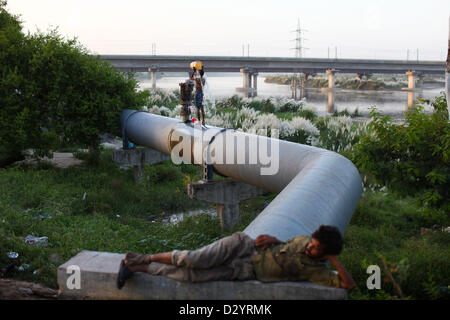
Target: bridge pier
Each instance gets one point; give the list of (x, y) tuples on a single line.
[(247, 76), (298, 85), (420, 77), (294, 87), (419, 85), (153, 72), (331, 82), (302, 93), (412, 87), (411, 80), (246, 81), (255, 84), (245, 73)]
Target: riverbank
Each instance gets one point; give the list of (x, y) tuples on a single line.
[(352, 83)]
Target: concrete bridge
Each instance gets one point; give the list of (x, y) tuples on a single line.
[(251, 66), (142, 63)]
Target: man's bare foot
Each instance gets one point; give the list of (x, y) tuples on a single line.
[(129, 257), (132, 258)]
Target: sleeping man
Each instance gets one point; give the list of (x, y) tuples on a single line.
[(239, 257)]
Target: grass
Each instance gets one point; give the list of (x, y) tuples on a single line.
[(388, 226), (118, 216)]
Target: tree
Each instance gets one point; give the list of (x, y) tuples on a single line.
[(13, 117), (52, 90)]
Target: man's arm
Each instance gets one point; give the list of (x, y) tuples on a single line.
[(264, 241), (347, 281)]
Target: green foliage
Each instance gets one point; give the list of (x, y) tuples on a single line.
[(52, 90), (388, 226), (162, 173), (300, 137), (307, 114), (346, 113), (263, 106), (412, 158)]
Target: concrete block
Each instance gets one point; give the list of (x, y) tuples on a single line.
[(223, 192), (98, 271), (228, 215), (138, 156), (226, 194)]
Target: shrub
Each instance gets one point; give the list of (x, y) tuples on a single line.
[(307, 113), (161, 173), (412, 158), (52, 90)]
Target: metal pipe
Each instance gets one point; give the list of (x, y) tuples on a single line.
[(316, 186)]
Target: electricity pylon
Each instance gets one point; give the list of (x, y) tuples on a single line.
[(299, 47)]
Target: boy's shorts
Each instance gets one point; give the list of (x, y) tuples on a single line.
[(198, 99)]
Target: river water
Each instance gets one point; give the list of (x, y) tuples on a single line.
[(394, 103)]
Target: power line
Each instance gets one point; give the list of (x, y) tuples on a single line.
[(299, 47)]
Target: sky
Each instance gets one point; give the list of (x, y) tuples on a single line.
[(359, 29)]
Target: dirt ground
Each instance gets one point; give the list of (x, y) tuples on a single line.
[(60, 160), (21, 290)]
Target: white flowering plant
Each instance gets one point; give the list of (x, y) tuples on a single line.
[(339, 134), (161, 97)]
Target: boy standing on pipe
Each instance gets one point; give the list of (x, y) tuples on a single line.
[(197, 76), (239, 257)]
